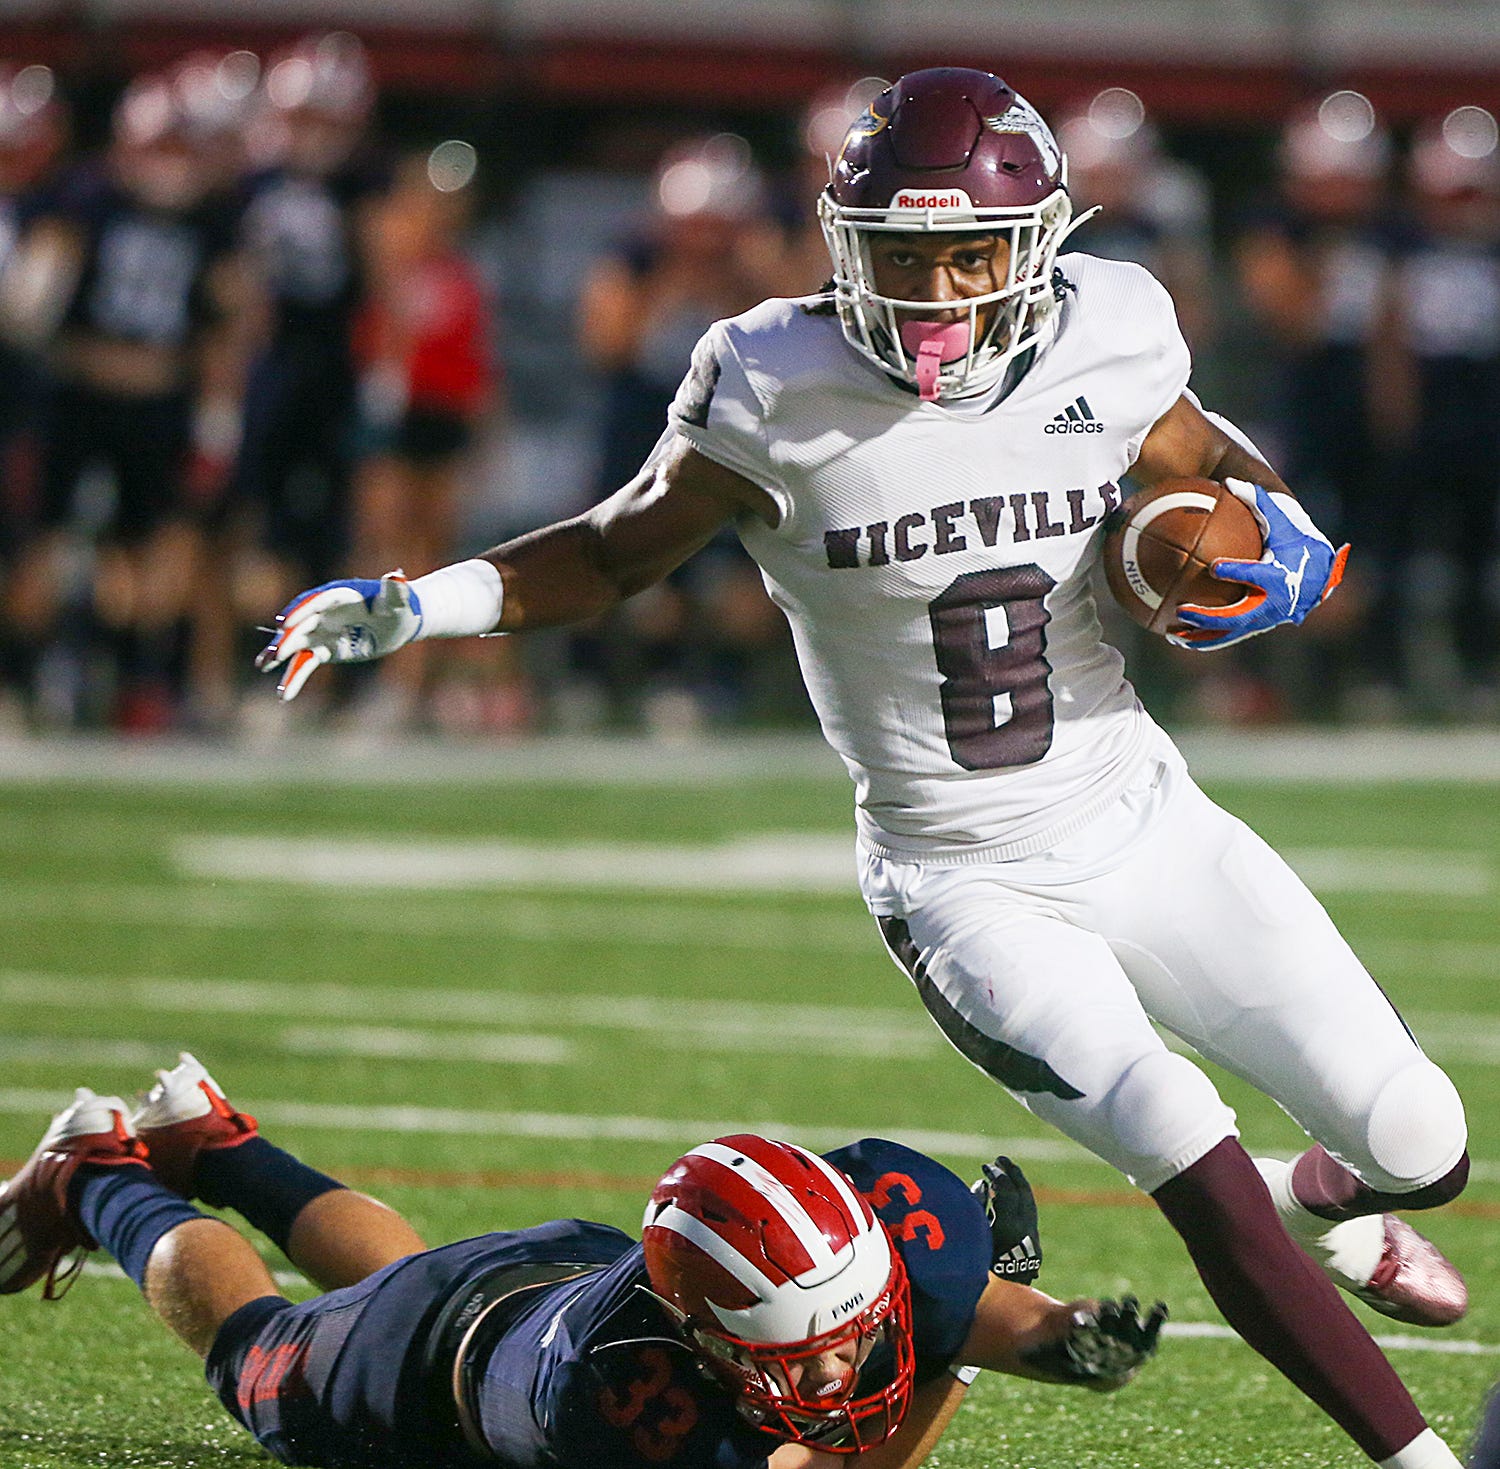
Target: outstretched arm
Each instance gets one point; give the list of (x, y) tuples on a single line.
[(563, 573), (581, 567)]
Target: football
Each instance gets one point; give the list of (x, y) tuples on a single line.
[(1160, 544)]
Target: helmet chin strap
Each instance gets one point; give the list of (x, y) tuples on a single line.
[(933, 343)]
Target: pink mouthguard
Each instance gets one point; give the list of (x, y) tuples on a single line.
[(933, 343)]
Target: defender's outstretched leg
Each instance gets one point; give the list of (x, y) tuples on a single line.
[(88, 1184), (203, 1148)]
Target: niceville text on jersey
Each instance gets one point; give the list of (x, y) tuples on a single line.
[(935, 560), (945, 530)]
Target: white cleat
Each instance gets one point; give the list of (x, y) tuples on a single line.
[(38, 1228), (184, 1113)]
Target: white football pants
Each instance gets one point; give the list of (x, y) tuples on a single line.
[(1043, 973)]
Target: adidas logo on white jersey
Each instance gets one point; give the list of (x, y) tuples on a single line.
[(1076, 418)]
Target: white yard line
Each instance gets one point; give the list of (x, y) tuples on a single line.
[(1433, 958), (613, 1127), (309, 758), (1446, 1346), (375, 1043), (786, 862), (1181, 1330), (766, 862), (550, 918), (1270, 757), (80, 1051), (667, 1132), (108, 1270), (1430, 874), (718, 1024), (713, 1024), (585, 1127), (368, 1042), (538, 918)]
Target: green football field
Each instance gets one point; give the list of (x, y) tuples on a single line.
[(500, 991)]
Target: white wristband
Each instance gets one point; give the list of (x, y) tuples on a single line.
[(459, 601), (965, 1375)]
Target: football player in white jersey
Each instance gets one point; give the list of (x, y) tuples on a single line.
[(920, 459)]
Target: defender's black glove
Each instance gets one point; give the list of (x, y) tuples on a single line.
[(1010, 1207), (1106, 1344)]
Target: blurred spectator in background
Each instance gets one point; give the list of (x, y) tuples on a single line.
[(423, 351), (823, 125), (709, 250), (33, 132), (1154, 210), (126, 278), (220, 91), (233, 355), (1310, 265), (1441, 359), (303, 216)]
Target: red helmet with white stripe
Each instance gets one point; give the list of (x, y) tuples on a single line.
[(786, 1285)]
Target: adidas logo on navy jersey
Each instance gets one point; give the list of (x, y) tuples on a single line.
[(1076, 418)]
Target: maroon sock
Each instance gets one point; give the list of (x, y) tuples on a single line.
[(1281, 1303), (1323, 1186)]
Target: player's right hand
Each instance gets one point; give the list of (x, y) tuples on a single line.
[(1110, 1342), (1106, 1344), (351, 621)]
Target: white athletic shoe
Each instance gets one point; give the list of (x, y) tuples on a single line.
[(38, 1228), (184, 1113)]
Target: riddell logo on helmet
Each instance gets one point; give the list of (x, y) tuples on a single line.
[(931, 199)]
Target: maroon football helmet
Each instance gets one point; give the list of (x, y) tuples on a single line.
[(957, 151), (784, 1283)]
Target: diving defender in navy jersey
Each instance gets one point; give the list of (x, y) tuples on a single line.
[(780, 1307)]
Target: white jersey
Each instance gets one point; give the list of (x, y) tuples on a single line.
[(934, 559)]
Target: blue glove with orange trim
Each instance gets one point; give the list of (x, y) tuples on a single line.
[(351, 621), (1297, 572)]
